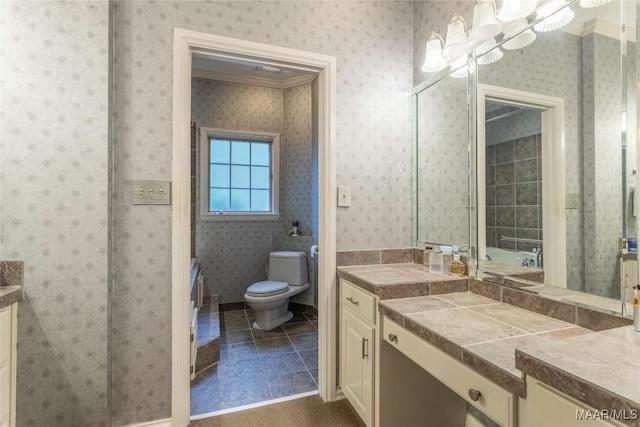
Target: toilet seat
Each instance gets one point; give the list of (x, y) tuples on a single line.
[(267, 288)]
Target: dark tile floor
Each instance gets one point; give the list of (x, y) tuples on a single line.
[(256, 366)]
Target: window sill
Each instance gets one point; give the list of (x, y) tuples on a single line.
[(233, 217)]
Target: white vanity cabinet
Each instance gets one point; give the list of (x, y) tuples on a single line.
[(546, 406), (8, 332), (477, 390), (358, 349)]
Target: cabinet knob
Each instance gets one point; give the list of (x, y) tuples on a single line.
[(474, 394), (352, 301), (393, 338)]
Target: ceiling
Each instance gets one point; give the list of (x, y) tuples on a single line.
[(248, 71)]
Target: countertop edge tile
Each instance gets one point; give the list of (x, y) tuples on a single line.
[(494, 373), (367, 286), (406, 288), (391, 314), (578, 388), (442, 343), (402, 290), (10, 295), (449, 286)]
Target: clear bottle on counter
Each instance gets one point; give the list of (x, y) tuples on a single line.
[(456, 267), (436, 261), (426, 256), (447, 253)]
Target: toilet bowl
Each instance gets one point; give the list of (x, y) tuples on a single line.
[(270, 298)]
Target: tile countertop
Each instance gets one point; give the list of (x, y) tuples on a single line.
[(599, 369), (389, 281), (479, 332), (10, 295)]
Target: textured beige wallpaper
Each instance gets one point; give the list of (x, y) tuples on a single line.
[(54, 69), (373, 45)]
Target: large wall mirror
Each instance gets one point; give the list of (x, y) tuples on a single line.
[(540, 177)]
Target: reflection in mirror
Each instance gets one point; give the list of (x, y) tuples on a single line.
[(441, 156), (581, 66), (513, 189), (556, 157)]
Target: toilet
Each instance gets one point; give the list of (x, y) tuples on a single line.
[(270, 298)]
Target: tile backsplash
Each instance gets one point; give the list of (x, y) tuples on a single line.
[(11, 273)]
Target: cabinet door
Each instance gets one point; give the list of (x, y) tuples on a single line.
[(357, 363), (7, 372), (553, 408)]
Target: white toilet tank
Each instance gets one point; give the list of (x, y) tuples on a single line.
[(290, 267)]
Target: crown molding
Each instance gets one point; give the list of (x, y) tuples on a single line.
[(254, 81), (599, 26)]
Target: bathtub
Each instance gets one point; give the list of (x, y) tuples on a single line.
[(511, 257)]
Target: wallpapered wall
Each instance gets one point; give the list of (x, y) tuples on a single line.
[(234, 254), (602, 164), (54, 68), (299, 181), (372, 42), (442, 165)]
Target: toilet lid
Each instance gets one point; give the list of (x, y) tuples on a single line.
[(267, 288)]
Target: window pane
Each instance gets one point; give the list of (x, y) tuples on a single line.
[(240, 152), (219, 151), (260, 201), (218, 200), (260, 177), (260, 154), (240, 176), (240, 200), (219, 176)]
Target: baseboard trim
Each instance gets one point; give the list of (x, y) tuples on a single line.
[(164, 422)]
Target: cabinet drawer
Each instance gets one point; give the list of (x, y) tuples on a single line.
[(493, 400), (358, 301)]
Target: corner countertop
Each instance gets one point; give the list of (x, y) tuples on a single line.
[(506, 343), (389, 281), (599, 369), (478, 331), (10, 295)]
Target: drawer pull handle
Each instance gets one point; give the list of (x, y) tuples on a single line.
[(474, 394), (393, 338), (365, 348), (352, 301)]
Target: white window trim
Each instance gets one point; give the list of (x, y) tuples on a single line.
[(274, 139)]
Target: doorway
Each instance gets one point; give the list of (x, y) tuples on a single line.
[(187, 43), (552, 177), (254, 177)]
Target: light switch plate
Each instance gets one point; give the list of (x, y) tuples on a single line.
[(150, 192), (572, 201), (344, 196)]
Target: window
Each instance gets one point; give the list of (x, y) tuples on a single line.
[(239, 175)]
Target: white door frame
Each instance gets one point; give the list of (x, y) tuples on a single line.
[(186, 42), (553, 175)]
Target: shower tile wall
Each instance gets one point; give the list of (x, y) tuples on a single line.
[(514, 203)]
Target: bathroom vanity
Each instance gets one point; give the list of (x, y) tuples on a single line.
[(9, 298), (409, 338)]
